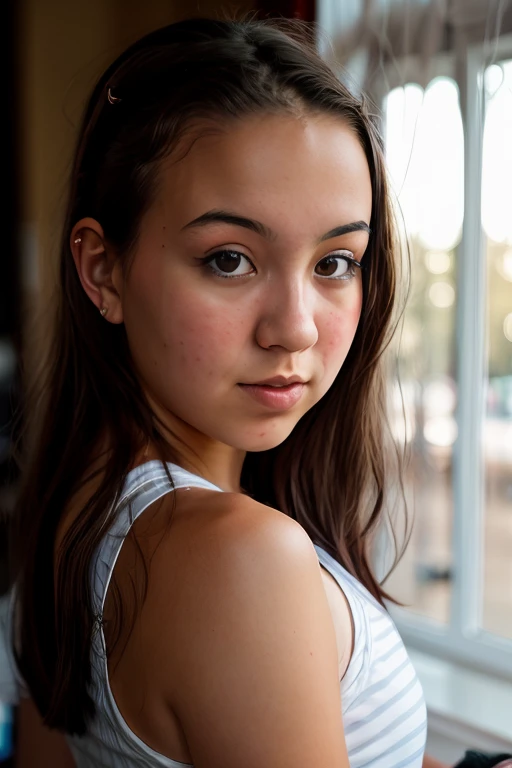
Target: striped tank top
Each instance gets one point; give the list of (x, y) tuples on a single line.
[(384, 715)]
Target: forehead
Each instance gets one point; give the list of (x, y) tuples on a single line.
[(280, 169)]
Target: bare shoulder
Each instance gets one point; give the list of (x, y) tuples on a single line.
[(269, 534), (254, 671), (261, 543), (232, 533), (244, 522), (241, 515)]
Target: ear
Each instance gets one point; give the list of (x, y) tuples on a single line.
[(98, 268)]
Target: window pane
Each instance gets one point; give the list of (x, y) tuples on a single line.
[(497, 431), (425, 153)]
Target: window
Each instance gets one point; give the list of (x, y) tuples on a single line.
[(497, 423), (425, 155), (457, 379), (456, 345), (449, 151)]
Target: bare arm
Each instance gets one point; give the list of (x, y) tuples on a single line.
[(257, 682), (38, 746)]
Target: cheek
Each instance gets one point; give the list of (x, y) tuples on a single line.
[(339, 330), (198, 334)]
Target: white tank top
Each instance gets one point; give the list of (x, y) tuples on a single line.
[(384, 714)]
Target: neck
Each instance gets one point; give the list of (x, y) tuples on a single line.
[(216, 462)]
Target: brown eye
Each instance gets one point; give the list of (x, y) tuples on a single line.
[(229, 264), (227, 261), (331, 266), (337, 267)]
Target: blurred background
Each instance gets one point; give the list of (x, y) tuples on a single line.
[(438, 76)]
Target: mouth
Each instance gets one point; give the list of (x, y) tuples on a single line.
[(277, 396), (278, 381)]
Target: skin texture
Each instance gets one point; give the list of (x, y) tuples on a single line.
[(240, 634), (195, 336)]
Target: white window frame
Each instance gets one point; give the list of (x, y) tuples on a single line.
[(463, 639)]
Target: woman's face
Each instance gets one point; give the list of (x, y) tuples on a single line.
[(243, 272)]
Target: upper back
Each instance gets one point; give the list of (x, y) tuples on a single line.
[(232, 585), (234, 603)]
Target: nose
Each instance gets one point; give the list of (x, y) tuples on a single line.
[(287, 318)]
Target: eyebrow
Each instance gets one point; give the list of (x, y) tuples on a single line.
[(227, 217)]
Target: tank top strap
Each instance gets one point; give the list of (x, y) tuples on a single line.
[(362, 606), (143, 486)]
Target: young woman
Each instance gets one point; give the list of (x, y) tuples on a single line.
[(207, 467)]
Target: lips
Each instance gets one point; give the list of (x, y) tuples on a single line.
[(277, 396), (278, 381)]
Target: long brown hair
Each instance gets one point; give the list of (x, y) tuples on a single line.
[(329, 474)]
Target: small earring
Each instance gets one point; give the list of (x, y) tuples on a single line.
[(103, 311), (77, 240)]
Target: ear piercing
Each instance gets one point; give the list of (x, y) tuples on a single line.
[(77, 241)]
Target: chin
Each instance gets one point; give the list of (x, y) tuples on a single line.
[(259, 446), (266, 438)]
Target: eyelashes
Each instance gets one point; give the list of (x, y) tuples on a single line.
[(230, 264), (337, 267)]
